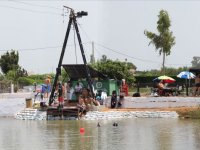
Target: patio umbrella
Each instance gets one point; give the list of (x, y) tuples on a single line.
[(166, 79), (186, 75)]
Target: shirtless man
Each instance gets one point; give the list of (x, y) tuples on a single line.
[(86, 101), (197, 85)]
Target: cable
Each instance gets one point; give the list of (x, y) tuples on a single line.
[(84, 32), (33, 49), (29, 10), (40, 48), (31, 4), (144, 60)]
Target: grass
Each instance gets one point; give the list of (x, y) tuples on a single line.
[(193, 113)]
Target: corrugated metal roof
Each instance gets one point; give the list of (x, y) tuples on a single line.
[(195, 70), (77, 71)]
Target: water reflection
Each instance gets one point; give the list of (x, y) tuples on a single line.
[(139, 134)]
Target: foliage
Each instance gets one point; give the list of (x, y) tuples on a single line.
[(168, 71), (115, 69), (39, 78), (64, 75), (164, 41), (103, 59), (196, 62), (131, 65), (9, 61), (25, 81), (21, 72), (12, 76)]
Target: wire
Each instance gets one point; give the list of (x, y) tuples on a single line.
[(40, 48), (84, 31), (144, 60), (33, 49), (33, 11), (31, 4)]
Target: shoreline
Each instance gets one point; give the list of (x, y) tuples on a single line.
[(10, 104)]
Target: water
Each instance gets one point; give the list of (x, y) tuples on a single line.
[(138, 134)]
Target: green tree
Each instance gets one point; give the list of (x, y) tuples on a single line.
[(9, 61), (104, 58), (163, 41), (115, 69), (64, 75), (196, 61)]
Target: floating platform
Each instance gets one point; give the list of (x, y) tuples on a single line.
[(65, 112)]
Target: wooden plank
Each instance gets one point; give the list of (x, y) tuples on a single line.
[(64, 112)]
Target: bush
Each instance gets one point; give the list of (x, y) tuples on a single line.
[(25, 81)]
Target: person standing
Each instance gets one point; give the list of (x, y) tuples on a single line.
[(78, 88), (197, 85), (124, 88), (61, 91), (68, 90)]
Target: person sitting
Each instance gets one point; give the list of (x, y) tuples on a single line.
[(163, 90), (113, 99), (85, 101)]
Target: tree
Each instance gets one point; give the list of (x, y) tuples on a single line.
[(196, 62), (164, 41), (115, 69), (104, 58), (9, 61)]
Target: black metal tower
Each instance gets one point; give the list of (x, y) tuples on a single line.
[(72, 20)]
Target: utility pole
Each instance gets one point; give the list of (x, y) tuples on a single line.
[(92, 57)]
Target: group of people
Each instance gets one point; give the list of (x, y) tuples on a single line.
[(82, 94), (163, 90), (86, 101)]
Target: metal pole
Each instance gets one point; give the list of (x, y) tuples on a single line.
[(83, 55), (58, 69)]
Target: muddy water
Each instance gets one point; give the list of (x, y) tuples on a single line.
[(130, 134)]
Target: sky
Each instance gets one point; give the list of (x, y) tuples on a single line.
[(37, 29)]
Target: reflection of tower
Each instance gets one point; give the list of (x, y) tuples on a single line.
[(61, 135)]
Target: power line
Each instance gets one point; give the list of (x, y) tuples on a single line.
[(144, 60), (33, 49), (39, 48), (31, 4), (30, 10)]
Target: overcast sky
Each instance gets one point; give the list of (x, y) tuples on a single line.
[(116, 27)]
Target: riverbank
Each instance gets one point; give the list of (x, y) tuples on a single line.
[(185, 107)]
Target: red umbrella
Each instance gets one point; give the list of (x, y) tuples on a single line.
[(165, 79)]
